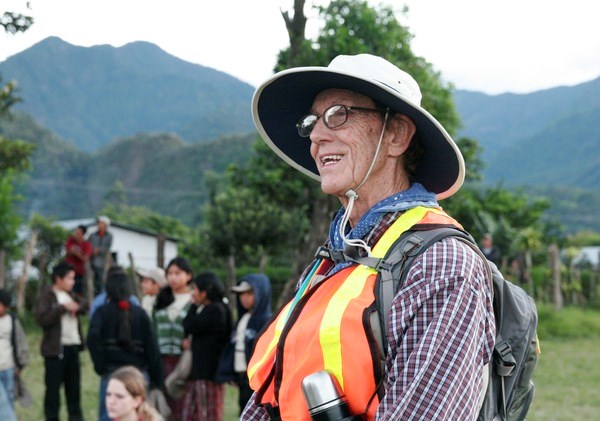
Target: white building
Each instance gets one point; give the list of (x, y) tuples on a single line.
[(589, 254), (141, 243)]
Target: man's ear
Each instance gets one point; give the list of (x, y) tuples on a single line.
[(403, 129)]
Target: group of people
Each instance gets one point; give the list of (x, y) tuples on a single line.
[(358, 127), (135, 345)]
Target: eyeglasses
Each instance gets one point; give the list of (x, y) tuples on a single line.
[(333, 117)]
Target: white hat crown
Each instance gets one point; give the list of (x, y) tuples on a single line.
[(380, 70)]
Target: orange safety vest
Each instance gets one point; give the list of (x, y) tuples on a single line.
[(328, 328)]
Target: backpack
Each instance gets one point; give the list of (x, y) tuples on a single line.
[(510, 387)]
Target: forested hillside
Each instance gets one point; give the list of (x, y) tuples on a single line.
[(90, 96), (158, 171), (137, 125), (546, 138)]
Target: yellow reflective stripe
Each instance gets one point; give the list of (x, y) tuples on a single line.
[(403, 223), (331, 324), (330, 329), (281, 320)]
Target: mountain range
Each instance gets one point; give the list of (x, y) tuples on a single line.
[(543, 138), (157, 124), (89, 96)]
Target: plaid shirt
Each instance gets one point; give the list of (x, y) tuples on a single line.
[(441, 334)]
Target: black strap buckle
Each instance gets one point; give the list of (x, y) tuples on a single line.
[(505, 362)]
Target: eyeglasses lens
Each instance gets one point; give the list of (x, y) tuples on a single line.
[(306, 125), (333, 117)]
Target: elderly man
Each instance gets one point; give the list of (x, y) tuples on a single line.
[(358, 127)]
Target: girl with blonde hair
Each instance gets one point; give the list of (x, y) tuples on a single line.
[(126, 396)]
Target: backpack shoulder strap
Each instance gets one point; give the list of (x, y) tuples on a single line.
[(394, 268)]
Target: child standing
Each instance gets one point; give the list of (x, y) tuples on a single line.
[(172, 305), (14, 355), (254, 309)]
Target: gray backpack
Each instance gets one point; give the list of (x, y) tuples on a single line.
[(509, 375), (510, 387)]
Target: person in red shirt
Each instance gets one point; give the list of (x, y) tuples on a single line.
[(78, 252)]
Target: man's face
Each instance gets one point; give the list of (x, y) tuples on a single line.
[(101, 226), (3, 310), (66, 282), (343, 155)]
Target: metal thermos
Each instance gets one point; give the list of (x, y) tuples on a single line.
[(326, 401)]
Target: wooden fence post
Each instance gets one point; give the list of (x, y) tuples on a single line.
[(557, 298), (230, 279), (2, 268), (134, 276), (22, 281), (160, 251)]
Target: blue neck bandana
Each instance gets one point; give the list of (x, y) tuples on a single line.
[(415, 196)]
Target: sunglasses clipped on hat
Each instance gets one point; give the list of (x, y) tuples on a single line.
[(242, 287)]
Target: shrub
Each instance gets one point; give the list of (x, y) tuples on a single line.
[(569, 322)]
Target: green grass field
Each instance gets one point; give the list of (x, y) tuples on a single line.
[(567, 380)]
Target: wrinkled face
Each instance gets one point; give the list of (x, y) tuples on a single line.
[(178, 279), (119, 402), (343, 154), (65, 283)]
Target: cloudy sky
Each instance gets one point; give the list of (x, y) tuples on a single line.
[(490, 46)]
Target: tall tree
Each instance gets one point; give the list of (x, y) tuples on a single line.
[(14, 154), (349, 27), (353, 27), (246, 226)]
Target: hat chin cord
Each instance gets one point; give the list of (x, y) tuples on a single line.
[(352, 196)]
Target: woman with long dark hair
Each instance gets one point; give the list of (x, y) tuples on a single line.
[(172, 304), (208, 321), (120, 334)]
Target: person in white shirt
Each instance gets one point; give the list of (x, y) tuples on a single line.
[(57, 311), (172, 305)]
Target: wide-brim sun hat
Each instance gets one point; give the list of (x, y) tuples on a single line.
[(285, 97)]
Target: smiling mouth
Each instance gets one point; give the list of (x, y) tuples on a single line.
[(330, 159)]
